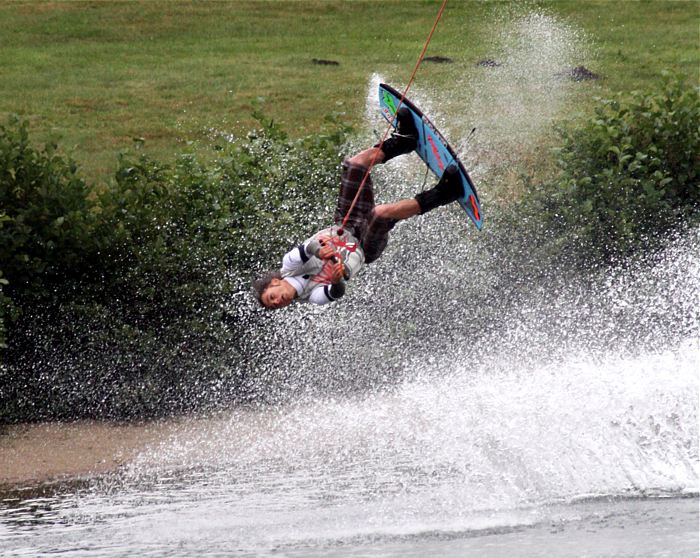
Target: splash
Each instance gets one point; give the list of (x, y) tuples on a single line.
[(511, 101), (514, 104), (441, 287), (558, 404)]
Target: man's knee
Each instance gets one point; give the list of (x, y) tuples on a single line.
[(365, 158), (381, 212)]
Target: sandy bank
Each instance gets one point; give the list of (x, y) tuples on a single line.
[(41, 452)]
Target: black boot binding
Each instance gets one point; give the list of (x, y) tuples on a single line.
[(447, 190), (404, 139)]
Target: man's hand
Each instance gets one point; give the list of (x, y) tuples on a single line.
[(337, 272), (327, 250)]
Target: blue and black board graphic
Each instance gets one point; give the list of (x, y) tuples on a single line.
[(432, 148)]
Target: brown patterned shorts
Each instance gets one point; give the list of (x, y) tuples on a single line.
[(371, 231)]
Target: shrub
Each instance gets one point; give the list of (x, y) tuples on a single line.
[(5, 302), (188, 231), (6, 310), (124, 286), (630, 173), (47, 225)]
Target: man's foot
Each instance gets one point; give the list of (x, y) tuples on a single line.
[(450, 184), (406, 129), (404, 139), (447, 190)]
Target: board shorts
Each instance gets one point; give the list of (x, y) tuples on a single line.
[(371, 231)]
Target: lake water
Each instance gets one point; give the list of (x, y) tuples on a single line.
[(599, 459)]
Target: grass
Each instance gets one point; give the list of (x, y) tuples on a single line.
[(97, 75)]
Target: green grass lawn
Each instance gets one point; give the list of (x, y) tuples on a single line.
[(96, 75)]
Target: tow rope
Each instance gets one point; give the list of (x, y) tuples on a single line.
[(389, 127)]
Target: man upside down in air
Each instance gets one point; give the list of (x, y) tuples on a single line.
[(316, 270)]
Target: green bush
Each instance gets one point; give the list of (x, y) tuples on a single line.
[(187, 232), (6, 310), (631, 173), (48, 223), (124, 287), (5, 302)]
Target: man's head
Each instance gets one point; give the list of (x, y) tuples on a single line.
[(272, 291)]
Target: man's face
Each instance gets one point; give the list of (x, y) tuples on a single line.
[(278, 294)]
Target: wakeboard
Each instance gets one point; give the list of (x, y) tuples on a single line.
[(433, 148)]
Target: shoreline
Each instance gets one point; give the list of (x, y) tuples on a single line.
[(56, 451)]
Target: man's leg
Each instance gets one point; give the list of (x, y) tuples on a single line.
[(447, 190), (402, 141), (367, 157), (385, 216), (399, 210)]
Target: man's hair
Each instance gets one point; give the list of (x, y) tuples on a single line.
[(262, 283)]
